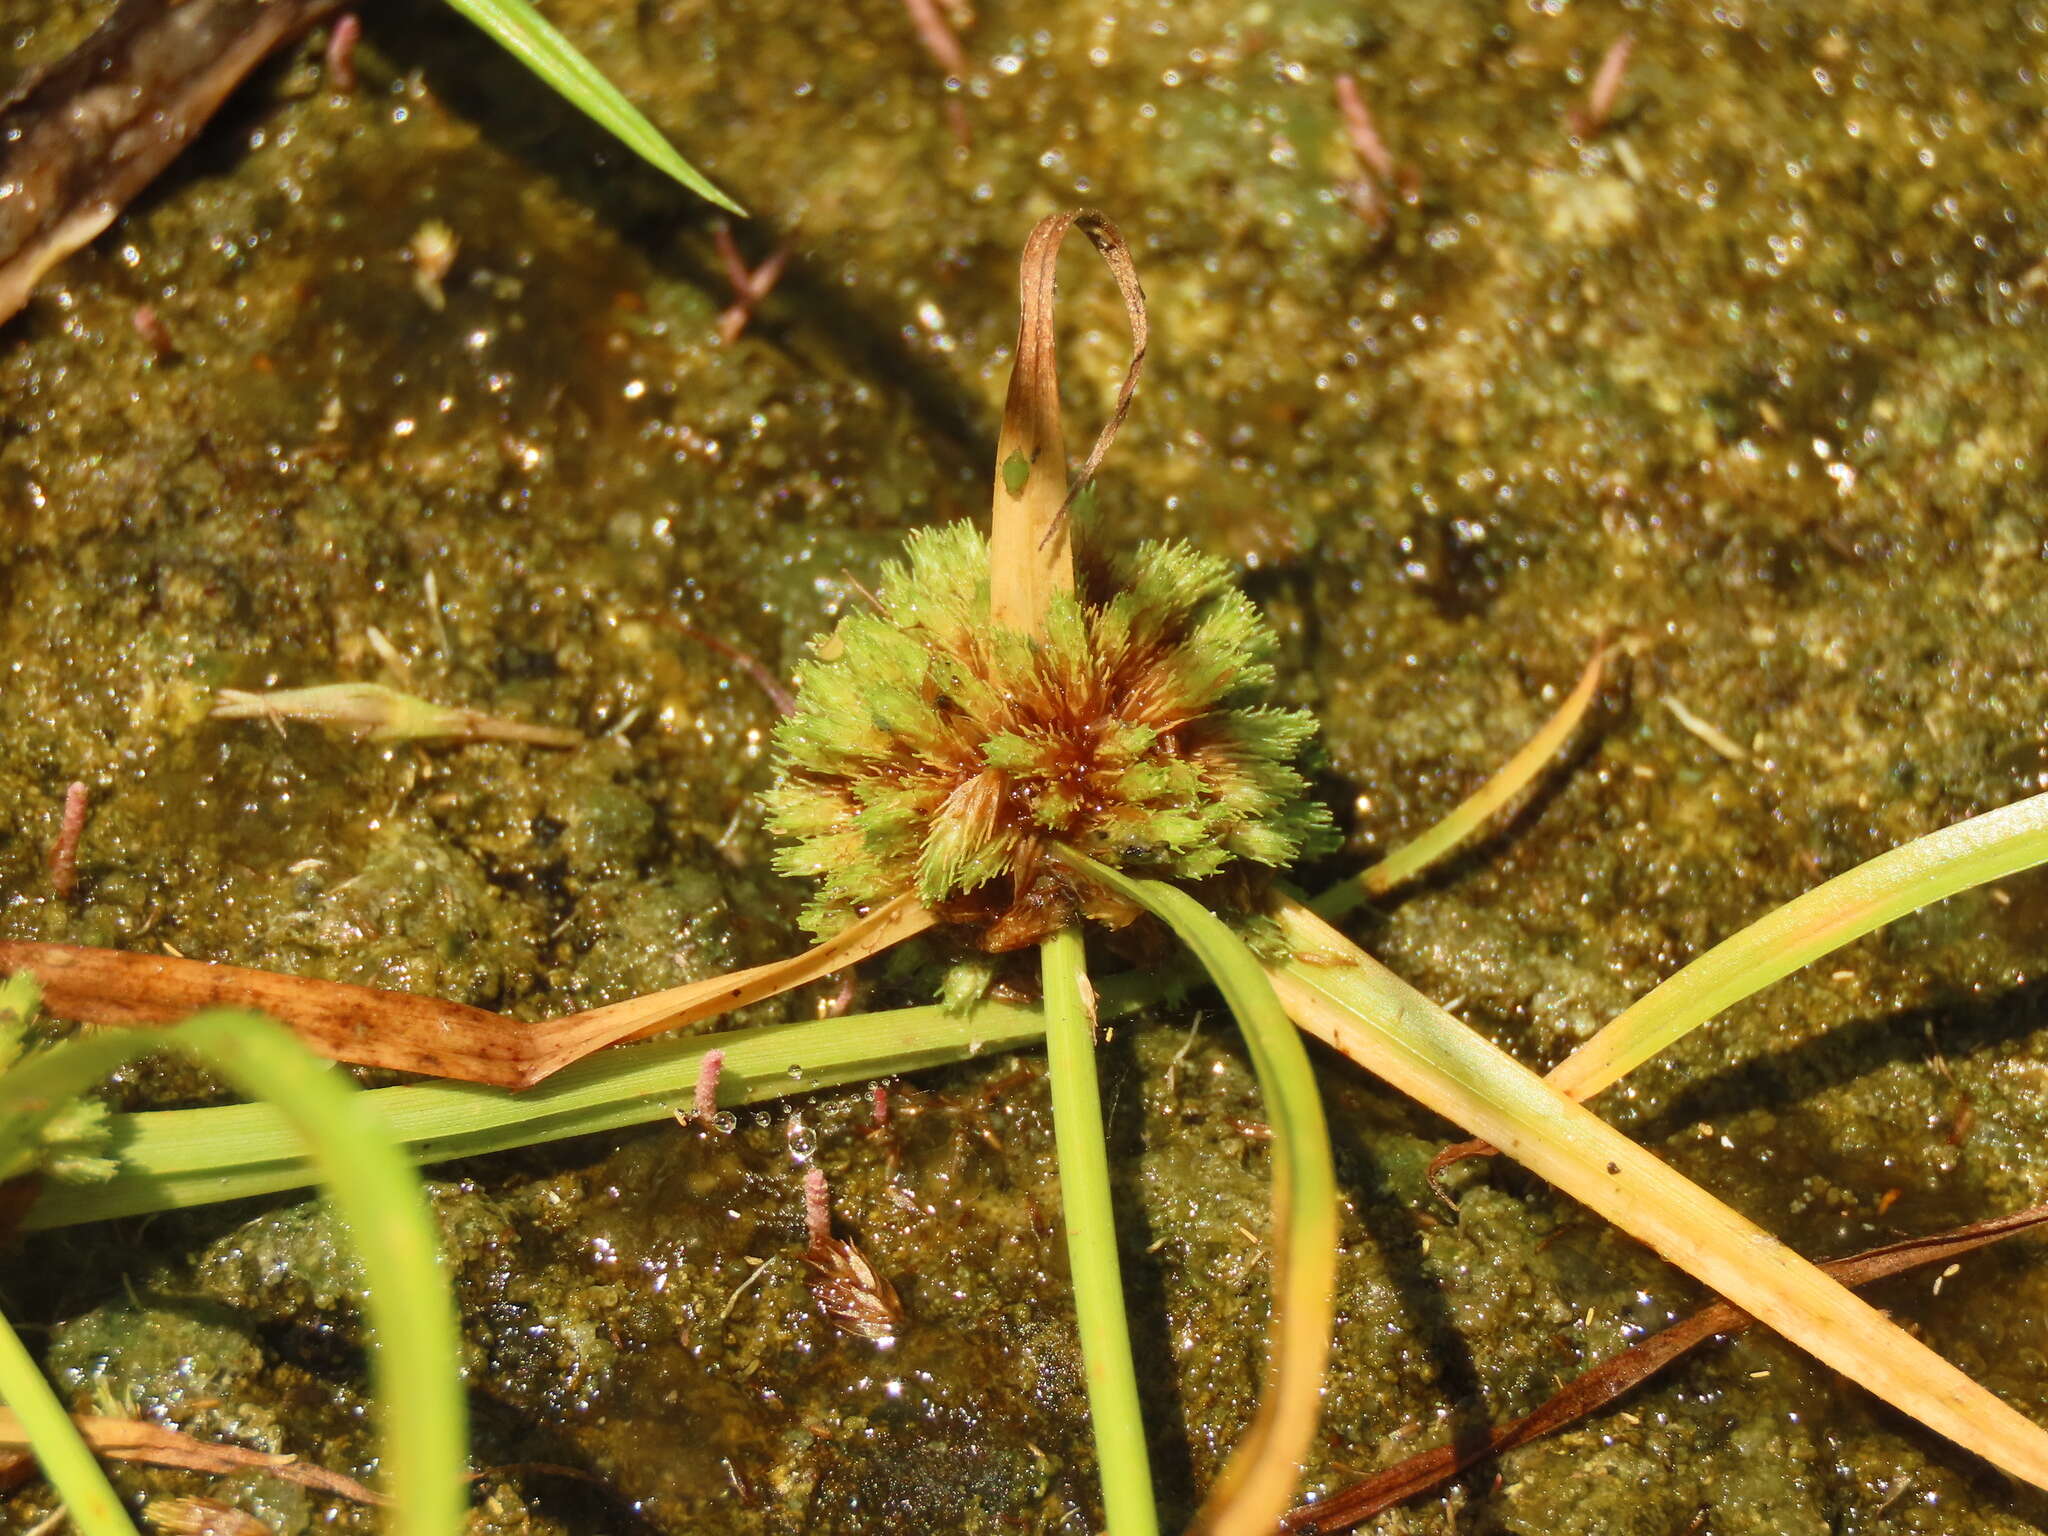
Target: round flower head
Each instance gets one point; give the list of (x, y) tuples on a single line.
[(934, 753)]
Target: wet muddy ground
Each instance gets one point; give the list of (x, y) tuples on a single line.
[(1752, 376)]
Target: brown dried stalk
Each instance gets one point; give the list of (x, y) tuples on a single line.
[(1611, 1380), (940, 42), (750, 285), (1368, 192), (339, 57), (64, 852), (1587, 121)]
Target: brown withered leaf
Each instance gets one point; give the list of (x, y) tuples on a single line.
[(1030, 540), (200, 1517), (136, 1440), (396, 1030)]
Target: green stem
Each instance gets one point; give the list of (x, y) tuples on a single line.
[(1120, 1455), (60, 1449), (1257, 1485)]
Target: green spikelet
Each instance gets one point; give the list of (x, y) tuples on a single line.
[(932, 754)]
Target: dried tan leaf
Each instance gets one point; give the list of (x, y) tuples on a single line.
[(200, 1517), (383, 714), (1030, 543), (404, 1033), (1379, 1021), (135, 1440)]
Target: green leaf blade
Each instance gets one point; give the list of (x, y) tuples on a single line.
[(60, 1450), (1881, 890), (1258, 1483), (528, 36)]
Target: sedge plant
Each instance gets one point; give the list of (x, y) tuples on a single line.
[(171, 1159), (1019, 742)]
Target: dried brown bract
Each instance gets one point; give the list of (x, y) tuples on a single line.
[(847, 1287), (852, 1294)]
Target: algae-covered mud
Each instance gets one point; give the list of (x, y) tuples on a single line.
[(1751, 375)]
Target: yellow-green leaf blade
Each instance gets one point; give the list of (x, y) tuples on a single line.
[(1926, 870), (1258, 1482), (1359, 1007)]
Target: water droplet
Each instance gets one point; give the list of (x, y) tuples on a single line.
[(725, 1122), (796, 1073), (803, 1141)]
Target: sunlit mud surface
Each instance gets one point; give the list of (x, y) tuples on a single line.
[(1752, 376)]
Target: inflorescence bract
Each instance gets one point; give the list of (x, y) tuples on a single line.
[(934, 753)]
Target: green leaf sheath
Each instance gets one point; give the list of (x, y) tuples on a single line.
[(1120, 1454)]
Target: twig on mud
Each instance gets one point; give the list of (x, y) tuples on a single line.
[(64, 852), (1587, 121), (750, 285), (941, 43)]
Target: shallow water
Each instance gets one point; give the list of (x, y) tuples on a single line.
[(1750, 377)]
